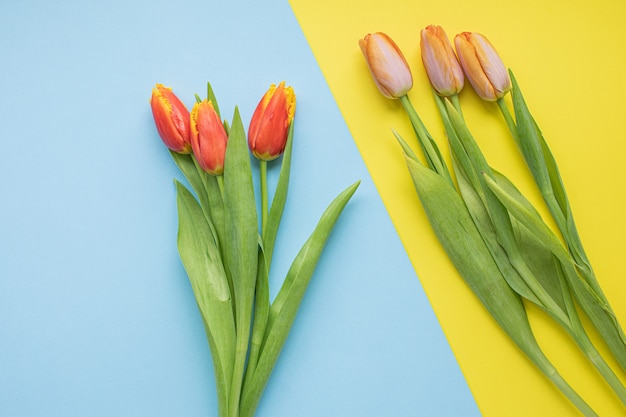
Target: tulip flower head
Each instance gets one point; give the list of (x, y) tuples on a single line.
[(387, 65), (171, 118), (482, 65), (208, 138), (269, 126), (440, 61)]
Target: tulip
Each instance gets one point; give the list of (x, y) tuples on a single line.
[(171, 118), (482, 65), (440, 61), (387, 65), (208, 137), (269, 126)]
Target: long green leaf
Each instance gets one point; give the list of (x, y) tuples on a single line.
[(471, 189), (538, 258), (545, 171), (197, 179), (494, 222), (210, 95), (279, 200), (241, 245), (595, 305), (544, 168), (285, 306), (428, 145), (261, 315), (465, 247), (458, 235), (203, 264)]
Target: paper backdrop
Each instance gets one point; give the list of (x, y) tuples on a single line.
[(568, 57), (97, 317)]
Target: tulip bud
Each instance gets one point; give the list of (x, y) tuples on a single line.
[(269, 126), (440, 61), (482, 65), (171, 118), (387, 65), (208, 137)]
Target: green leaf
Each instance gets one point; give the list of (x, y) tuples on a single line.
[(543, 166), (241, 229), (545, 171), (241, 244), (279, 200), (459, 237), (408, 151), (211, 97), (537, 256), (203, 264), (492, 219), (284, 308), (261, 314), (593, 303), (528, 139), (216, 207), (465, 247), (196, 178), (429, 147), (482, 220)]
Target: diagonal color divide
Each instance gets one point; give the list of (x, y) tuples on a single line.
[(563, 73)]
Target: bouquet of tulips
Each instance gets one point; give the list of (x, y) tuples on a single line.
[(496, 239), (225, 246)]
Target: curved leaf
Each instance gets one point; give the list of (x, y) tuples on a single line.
[(284, 308), (203, 264)]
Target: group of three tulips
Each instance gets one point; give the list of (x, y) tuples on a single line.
[(477, 58), (202, 132)]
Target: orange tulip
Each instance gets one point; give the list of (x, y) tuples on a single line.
[(482, 65), (208, 137), (269, 126), (440, 61), (387, 65), (171, 118)]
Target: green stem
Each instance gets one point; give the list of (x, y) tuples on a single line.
[(572, 395), (542, 362), (220, 184), (508, 118), (454, 99), (238, 370), (598, 361), (241, 352), (584, 343), (261, 314), (431, 152), (264, 204)]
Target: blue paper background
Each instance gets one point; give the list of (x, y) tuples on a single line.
[(97, 317)]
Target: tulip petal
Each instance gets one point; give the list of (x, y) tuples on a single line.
[(493, 66), (270, 122), (208, 137), (440, 61), (171, 118), (387, 65), (482, 65)]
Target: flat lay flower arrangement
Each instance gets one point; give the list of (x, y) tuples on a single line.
[(496, 239), (226, 240)]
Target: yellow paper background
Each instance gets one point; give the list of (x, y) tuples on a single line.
[(569, 58)]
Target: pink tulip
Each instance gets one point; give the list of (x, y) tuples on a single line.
[(440, 61), (387, 65), (482, 65)]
